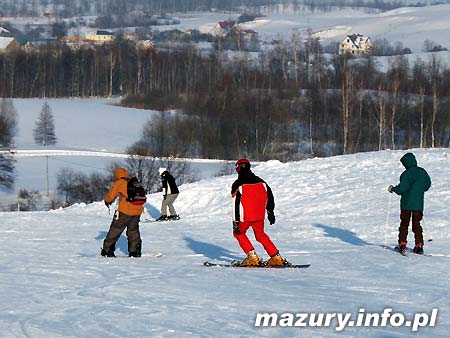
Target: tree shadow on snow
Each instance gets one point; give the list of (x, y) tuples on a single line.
[(210, 250), (121, 244), (344, 235)]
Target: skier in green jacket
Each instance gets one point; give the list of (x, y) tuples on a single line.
[(414, 181)]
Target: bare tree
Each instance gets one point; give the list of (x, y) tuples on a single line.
[(434, 72), (381, 108), (395, 76), (346, 92)]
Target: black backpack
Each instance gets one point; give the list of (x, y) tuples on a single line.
[(136, 192)]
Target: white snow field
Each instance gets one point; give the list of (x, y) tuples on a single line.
[(91, 133), (409, 25), (331, 212)]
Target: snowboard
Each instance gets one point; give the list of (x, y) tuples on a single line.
[(148, 220), (235, 264), (145, 255)]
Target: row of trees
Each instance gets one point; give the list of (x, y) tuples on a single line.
[(76, 187), (289, 103), (68, 8), (294, 103), (291, 98)]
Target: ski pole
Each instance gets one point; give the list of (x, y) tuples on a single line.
[(387, 220), (425, 230)]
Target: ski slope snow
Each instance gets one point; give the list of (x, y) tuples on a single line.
[(331, 212)]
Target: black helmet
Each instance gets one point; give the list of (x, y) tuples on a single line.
[(243, 165)]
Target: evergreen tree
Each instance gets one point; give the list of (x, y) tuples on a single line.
[(8, 123), (44, 132)]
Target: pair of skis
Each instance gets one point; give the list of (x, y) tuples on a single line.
[(236, 264), (408, 251)]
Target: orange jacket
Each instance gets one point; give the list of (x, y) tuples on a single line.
[(119, 189)]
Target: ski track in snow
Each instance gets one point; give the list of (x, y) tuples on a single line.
[(330, 212)]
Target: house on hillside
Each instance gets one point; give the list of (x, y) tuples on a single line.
[(8, 44), (223, 27), (100, 36), (355, 44), (146, 44), (226, 25)]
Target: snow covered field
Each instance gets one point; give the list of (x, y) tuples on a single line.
[(409, 25), (81, 125), (331, 212)]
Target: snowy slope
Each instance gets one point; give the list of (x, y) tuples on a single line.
[(409, 25), (95, 125), (331, 212)]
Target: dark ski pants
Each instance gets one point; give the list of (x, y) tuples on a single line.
[(119, 223), (405, 217), (260, 235)]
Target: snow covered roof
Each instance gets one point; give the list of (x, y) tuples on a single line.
[(5, 41), (102, 32), (3, 31), (358, 39), (227, 24)]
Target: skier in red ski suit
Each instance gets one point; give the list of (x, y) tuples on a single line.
[(251, 198)]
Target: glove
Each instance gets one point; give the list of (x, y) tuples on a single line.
[(271, 217), (390, 188), (164, 196), (236, 228)]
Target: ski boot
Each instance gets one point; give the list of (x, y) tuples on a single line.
[(173, 217), (107, 253), (276, 260), (418, 249), (402, 249), (162, 218), (251, 260), (135, 252)]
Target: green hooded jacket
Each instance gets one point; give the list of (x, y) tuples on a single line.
[(414, 181)]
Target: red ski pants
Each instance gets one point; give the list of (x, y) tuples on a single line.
[(260, 235)]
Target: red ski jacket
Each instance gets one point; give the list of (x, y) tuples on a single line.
[(251, 197)]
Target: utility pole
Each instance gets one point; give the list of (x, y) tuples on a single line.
[(46, 175)]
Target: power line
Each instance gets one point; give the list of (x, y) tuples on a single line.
[(78, 164)]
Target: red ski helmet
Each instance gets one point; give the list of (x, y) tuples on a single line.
[(243, 165)]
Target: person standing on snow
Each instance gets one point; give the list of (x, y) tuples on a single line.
[(251, 198), (127, 216), (414, 181), (170, 194)]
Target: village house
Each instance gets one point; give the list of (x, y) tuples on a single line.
[(355, 44), (223, 27), (100, 36), (8, 44)]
